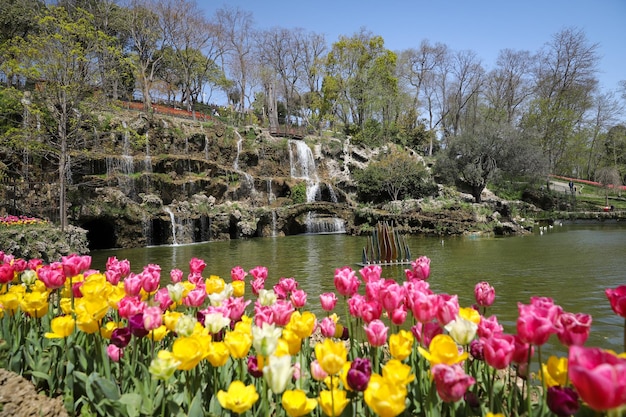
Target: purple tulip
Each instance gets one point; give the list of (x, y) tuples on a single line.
[(562, 401), (359, 374), (120, 337), (135, 324)]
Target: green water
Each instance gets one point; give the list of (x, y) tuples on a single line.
[(573, 264)]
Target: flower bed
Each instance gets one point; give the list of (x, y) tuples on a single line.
[(118, 343), (11, 221)]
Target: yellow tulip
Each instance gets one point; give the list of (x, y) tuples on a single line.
[(96, 286), (217, 354), (554, 372), (107, 329), (470, 314), (35, 303), (239, 398), (302, 324), (443, 349), (158, 334), (244, 325), (170, 318), (333, 402), (384, 397), (296, 403), (61, 327), (239, 288), (331, 355), (397, 373), (11, 301), (187, 351), (86, 323), (214, 284), (238, 344), (294, 343), (490, 414), (401, 344), (115, 295)]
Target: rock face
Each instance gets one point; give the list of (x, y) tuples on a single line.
[(18, 398), (153, 180)]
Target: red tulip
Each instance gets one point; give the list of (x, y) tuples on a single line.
[(598, 376), (617, 298), (7, 273)]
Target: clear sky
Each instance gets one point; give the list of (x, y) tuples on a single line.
[(484, 26)]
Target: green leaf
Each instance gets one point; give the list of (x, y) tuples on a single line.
[(195, 408), (133, 403), (42, 375), (107, 388)]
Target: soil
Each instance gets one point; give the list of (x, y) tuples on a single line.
[(18, 398)]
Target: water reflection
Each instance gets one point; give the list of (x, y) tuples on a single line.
[(572, 264)]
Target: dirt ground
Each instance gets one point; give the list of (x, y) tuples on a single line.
[(18, 398)]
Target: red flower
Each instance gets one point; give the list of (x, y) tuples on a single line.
[(617, 298)]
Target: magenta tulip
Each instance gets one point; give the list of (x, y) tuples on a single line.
[(346, 281), (488, 326), (598, 376), (573, 329), (237, 273), (328, 301), (617, 298), (562, 401), (51, 277), (485, 294), (359, 374), (448, 308), (370, 272), (196, 265), (391, 296), (176, 275), (451, 382), (7, 273), (536, 321), (498, 350), (420, 269)]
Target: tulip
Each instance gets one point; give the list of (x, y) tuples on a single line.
[(196, 265), (420, 269), (562, 401), (132, 284), (259, 272), (598, 376), (425, 332), (298, 298), (162, 297), (448, 308), (573, 329), (401, 344), (185, 325), (152, 318), (163, 366), (317, 373), (488, 326), (285, 286), (328, 301), (535, 323), (278, 372), (346, 282), (370, 311), (265, 338), (359, 374), (451, 381), (237, 273), (327, 327), (217, 354), (302, 324), (398, 373), (114, 353), (239, 398), (370, 272), (253, 367), (617, 298), (7, 273), (398, 316), (215, 322), (384, 397), (136, 326), (333, 402), (176, 275), (52, 277), (35, 303), (376, 333), (239, 288), (498, 350), (391, 296), (281, 311), (61, 327), (331, 355), (188, 351), (443, 349), (477, 350), (120, 337), (461, 330), (296, 403), (554, 372), (238, 344), (484, 293)]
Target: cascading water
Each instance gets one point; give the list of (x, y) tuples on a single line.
[(174, 224), (302, 166)]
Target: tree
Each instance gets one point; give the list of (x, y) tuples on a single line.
[(62, 53), (398, 173), (609, 178)]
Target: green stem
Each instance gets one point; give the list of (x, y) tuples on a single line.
[(492, 381), (528, 396)]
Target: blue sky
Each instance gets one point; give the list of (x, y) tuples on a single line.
[(484, 26)]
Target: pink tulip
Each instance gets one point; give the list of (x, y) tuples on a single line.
[(176, 275), (371, 310), (398, 316), (328, 301), (133, 284), (328, 327), (152, 318), (238, 273), (51, 277), (391, 295), (114, 353), (488, 327), (129, 306), (236, 307), (34, 263), (498, 350), (485, 294), (20, 265), (355, 304), (536, 321), (317, 372), (346, 281), (373, 288), (257, 284), (298, 298), (285, 287), (195, 278), (617, 298), (451, 382), (259, 272), (598, 376), (521, 353), (113, 276), (195, 297), (573, 329), (7, 273), (448, 308), (282, 311), (75, 264), (263, 314), (162, 296), (196, 265), (150, 282), (370, 272), (421, 269), (376, 333)]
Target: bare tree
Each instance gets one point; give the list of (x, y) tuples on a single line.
[(236, 36), (603, 115)]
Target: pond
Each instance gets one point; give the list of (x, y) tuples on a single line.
[(572, 263)]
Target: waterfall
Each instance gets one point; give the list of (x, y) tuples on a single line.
[(174, 225), (246, 179), (270, 196), (273, 223), (333, 196), (302, 166), (146, 225)]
